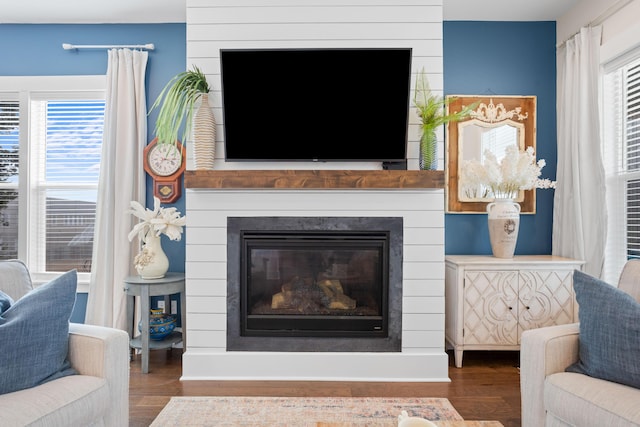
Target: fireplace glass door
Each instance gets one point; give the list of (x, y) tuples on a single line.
[(314, 284)]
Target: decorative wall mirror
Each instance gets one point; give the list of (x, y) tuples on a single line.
[(497, 121)]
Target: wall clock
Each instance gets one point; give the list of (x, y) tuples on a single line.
[(165, 163)]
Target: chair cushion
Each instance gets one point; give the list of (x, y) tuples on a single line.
[(609, 340), (581, 400), (34, 334), (15, 280)]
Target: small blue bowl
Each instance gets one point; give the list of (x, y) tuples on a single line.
[(160, 325)]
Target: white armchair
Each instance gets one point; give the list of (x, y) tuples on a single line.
[(98, 395), (552, 397)]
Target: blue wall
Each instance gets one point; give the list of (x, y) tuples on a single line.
[(505, 58), (36, 50), (480, 58)]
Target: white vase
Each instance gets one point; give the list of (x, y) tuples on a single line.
[(204, 134), (503, 216), (152, 263)]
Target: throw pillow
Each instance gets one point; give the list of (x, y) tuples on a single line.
[(34, 332), (5, 302), (609, 332)]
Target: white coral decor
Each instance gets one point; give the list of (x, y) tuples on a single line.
[(518, 170), (157, 221)]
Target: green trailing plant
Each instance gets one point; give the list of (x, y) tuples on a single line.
[(176, 102), (432, 112)]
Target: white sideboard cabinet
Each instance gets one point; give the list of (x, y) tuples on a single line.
[(490, 301)]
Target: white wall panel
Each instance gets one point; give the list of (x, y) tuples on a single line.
[(312, 14), (315, 31), (422, 339), (422, 321), (306, 3), (207, 287), (423, 305), (207, 339), (223, 24), (422, 287), (203, 304)]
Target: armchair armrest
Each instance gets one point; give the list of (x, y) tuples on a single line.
[(543, 351), (104, 352)]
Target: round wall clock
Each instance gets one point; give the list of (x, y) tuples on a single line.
[(165, 163)]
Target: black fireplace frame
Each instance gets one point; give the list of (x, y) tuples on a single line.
[(390, 341)]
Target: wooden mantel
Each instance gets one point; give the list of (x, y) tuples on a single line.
[(314, 179)]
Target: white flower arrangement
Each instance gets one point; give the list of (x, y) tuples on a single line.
[(158, 221), (518, 170)]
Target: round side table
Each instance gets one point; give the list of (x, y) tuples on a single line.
[(135, 286)]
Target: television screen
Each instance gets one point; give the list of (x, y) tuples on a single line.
[(315, 104)]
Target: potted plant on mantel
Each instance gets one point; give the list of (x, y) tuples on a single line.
[(186, 98), (431, 110)]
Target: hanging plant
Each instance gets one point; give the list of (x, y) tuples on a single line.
[(176, 102)]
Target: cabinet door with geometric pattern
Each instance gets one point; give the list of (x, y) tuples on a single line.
[(490, 307), (545, 298)]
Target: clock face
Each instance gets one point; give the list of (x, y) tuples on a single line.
[(164, 159)]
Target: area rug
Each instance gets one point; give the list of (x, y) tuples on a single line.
[(300, 411)]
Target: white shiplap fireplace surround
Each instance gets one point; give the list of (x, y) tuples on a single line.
[(225, 24), (422, 356)]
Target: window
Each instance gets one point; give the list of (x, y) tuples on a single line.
[(50, 149), (9, 159), (621, 154)]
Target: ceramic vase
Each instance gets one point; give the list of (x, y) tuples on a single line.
[(503, 216), (152, 262), (428, 150), (204, 134), (160, 324)]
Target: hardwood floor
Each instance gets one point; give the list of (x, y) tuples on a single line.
[(487, 387)]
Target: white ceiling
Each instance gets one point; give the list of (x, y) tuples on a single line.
[(160, 11)]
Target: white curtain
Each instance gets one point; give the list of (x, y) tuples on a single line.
[(579, 215), (121, 181)]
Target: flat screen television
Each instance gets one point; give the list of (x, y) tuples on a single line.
[(317, 105)]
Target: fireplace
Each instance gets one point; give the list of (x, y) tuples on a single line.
[(314, 283), (414, 347)]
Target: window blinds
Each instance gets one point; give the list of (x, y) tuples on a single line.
[(621, 153), (9, 158)]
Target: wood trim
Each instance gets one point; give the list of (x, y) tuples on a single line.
[(528, 105), (314, 179)]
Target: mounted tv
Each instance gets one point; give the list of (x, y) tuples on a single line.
[(316, 105)]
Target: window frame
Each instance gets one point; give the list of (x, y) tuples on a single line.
[(23, 89)]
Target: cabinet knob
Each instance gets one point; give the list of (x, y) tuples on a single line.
[(510, 308)]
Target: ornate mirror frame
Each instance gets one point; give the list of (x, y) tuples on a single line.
[(518, 112)]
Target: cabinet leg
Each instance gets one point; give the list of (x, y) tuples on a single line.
[(458, 357)]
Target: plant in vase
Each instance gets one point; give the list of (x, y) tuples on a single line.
[(502, 180), (432, 112), (152, 262), (185, 98)]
